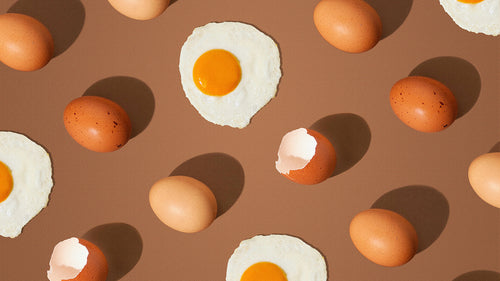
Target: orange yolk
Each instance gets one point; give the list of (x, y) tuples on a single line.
[(264, 271), (6, 182), (470, 1), (217, 72)]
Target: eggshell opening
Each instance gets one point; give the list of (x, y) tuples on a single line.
[(297, 148), (68, 260)]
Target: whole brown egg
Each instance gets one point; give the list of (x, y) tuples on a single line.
[(350, 25), (97, 123), (384, 237), (25, 43)]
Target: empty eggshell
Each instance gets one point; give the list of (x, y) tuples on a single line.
[(484, 177), (183, 203), (350, 25), (384, 237), (97, 123), (25, 43), (140, 9), (306, 157), (76, 259), (423, 103)]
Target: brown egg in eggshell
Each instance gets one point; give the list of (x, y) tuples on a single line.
[(306, 157), (97, 123), (76, 259)]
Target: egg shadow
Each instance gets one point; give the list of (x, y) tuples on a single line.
[(392, 13), (120, 243), (479, 275), (222, 173), (130, 93), (459, 75), (350, 136), (424, 207), (63, 18), (495, 148)]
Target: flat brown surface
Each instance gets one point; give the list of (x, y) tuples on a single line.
[(382, 162)]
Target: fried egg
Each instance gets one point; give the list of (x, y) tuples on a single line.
[(478, 16), (229, 71), (276, 258), (25, 182)]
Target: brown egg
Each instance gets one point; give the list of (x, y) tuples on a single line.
[(97, 123), (384, 237), (183, 203), (306, 157), (350, 25), (25, 43), (484, 177), (76, 259), (140, 9), (423, 103)]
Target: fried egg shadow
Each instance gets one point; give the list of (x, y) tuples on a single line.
[(132, 94), (120, 243), (222, 173), (392, 13), (459, 75), (424, 207), (476, 275), (350, 136), (63, 18), (496, 147)]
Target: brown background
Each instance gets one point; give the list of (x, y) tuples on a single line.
[(382, 163)]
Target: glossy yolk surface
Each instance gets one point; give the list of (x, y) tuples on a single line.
[(470, 1), (264, 271), (6, 182), (217, 72)]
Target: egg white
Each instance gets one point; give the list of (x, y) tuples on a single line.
[(31, 170), (482, 17), (297, 259), (259, 60)]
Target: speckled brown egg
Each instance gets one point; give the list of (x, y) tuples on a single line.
[(97, 123), (350, 25), (384, 237), (25, 43), (183, 203), (423, 103)]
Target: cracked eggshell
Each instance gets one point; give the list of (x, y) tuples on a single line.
[(97, 123), (76, 259), (484, 177), (306, 157), (423, 103)]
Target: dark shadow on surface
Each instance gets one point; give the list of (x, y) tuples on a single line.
[(222, 173), (424, 207), (459, 75), (121, 244), (479, 275), (496, 147), (350, 136), (63, 18), (130, 93), (392, 13)]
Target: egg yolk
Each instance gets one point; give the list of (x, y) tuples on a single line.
[(217, 72), (264, 271), (6, 182), (470, 1)]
